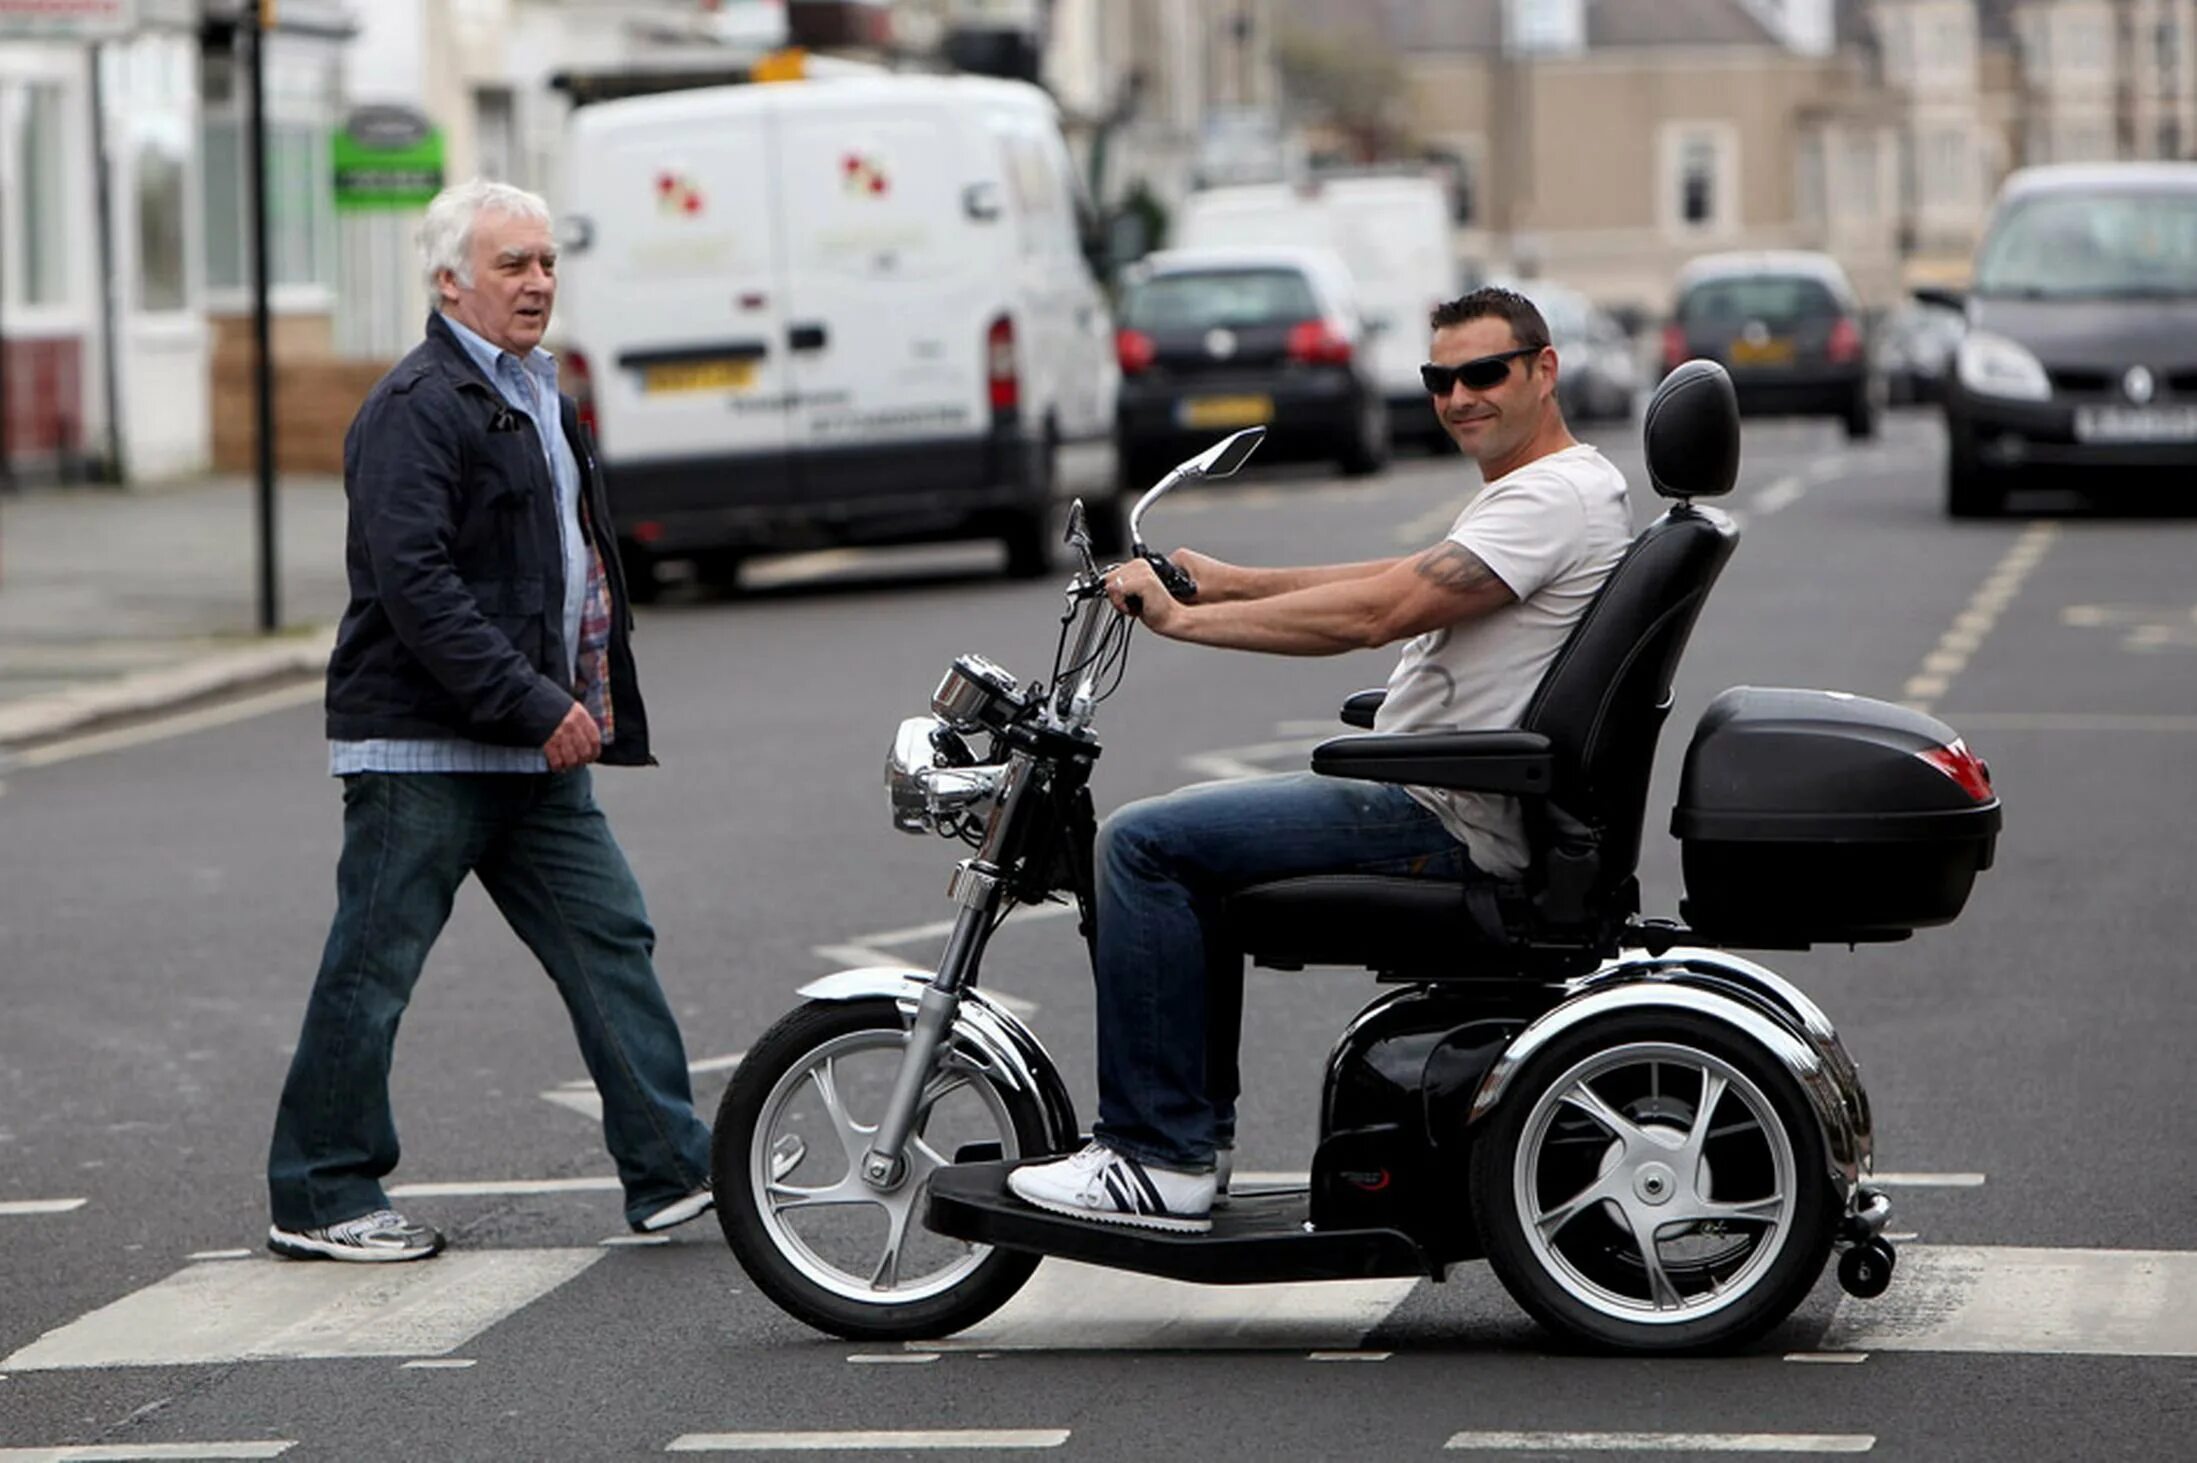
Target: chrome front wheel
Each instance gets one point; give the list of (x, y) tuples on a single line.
[(829, 1247), (1655, 1183)]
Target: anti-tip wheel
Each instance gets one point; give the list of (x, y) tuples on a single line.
[(1866, 1270)]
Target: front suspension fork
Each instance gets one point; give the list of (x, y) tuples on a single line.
[(977, 889)]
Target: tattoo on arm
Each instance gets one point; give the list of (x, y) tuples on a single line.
[(1455, 567)]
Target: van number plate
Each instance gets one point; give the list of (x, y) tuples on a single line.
[(1214, 413), (2136, 424), (698, 376)]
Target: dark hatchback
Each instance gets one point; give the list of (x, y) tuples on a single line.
[(2079, 365), (1213, 340), (1788, 328)]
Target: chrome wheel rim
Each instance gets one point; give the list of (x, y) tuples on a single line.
[(804, 1169), (1655, 1183)]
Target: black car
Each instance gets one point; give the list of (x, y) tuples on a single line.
[(2079, 365), (1215, 339), (1786, 325)]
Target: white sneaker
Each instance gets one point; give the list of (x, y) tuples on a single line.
[(678, 1211), (1114, 1188)]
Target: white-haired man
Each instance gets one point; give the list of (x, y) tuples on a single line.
[(481, 665)]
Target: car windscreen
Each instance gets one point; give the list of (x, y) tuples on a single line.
[(1204, 300), (1774, 299), (2090, 245)]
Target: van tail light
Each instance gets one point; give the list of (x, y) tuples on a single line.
[(1674, 346), (1964, 767), (999, 367), (581, 383), (1136, 351), (1317, 343), (1845, 343)]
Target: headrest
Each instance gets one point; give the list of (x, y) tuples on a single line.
[(1692, 433)]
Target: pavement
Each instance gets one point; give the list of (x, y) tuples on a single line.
[(120, 603)]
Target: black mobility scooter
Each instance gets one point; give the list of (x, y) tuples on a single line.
[(1656, 1143)]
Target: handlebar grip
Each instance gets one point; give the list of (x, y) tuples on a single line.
[(1173, 577)]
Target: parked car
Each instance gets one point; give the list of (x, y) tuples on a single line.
[(846, 311), (1915, 347), (1392, 231), (2080, 358), (1597, 376), (1216, 339), (1788, 327)]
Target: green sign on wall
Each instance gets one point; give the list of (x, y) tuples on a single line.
[(386, 157)]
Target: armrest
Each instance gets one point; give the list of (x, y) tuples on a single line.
[(1513, 762), (1358, 710)]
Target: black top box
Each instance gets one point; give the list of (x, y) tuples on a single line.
[(1815, 816)]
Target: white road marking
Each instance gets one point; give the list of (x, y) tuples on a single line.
[(17, 1208), (1662, 1442), (470, 1187), (848, 1442), (891, 1358), (1778, 496), (634, 1241), (1951, 655), (1429, 526), (221, 1255), (1073, 1307), (439, 1364), (134, 1452), (582, 1098), (868, 950), (166, 727), (2074, 721), (2028, 1301), (1349, 1356), (215, 1314), (1229, 764), (1928, 1180), (1829, 1358)]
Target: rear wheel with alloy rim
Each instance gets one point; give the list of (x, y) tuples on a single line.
[(1654, 1182), (828, 1247)]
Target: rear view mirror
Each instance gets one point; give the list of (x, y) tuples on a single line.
[(1224, 457), (1220, 460)]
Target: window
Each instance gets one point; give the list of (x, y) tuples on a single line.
[(1948, 164), (161, 172), (2170, 138), (1700, 176), (1861, 177), (1697, 183), (496, 134), (300, 194), (37, 200)]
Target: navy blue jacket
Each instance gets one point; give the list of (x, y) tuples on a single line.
[(455, 626)]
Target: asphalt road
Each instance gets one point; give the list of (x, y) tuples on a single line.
[(162, 905)]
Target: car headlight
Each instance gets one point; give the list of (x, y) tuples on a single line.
[(1992, 365)]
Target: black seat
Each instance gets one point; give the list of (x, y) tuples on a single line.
[(1579, 762)]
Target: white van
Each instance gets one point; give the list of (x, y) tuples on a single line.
[(847, 311), (1394, 233)]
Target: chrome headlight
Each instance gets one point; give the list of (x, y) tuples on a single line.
[(1992, 365), (926, 781)]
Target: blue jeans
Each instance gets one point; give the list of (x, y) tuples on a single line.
[(1170, 981), (541, 848)]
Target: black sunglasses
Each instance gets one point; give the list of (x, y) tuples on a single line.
[(1478, 374)]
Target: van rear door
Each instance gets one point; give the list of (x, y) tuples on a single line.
[(896, 241), (673, 295)]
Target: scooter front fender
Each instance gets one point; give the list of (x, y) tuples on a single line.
[(1734, 993), (985, 1033)]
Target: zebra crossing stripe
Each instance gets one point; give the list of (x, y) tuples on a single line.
[(904, 1440), (2032, 1301)]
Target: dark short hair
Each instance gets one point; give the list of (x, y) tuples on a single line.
[(1526, 325)]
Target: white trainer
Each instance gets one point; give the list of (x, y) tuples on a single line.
[(1114, 1188)]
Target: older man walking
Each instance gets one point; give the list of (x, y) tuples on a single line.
[(481, 666)]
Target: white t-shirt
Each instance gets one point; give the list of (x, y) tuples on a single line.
[(1551, 531)]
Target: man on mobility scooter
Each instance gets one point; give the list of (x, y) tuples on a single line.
[(1484, 612)]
